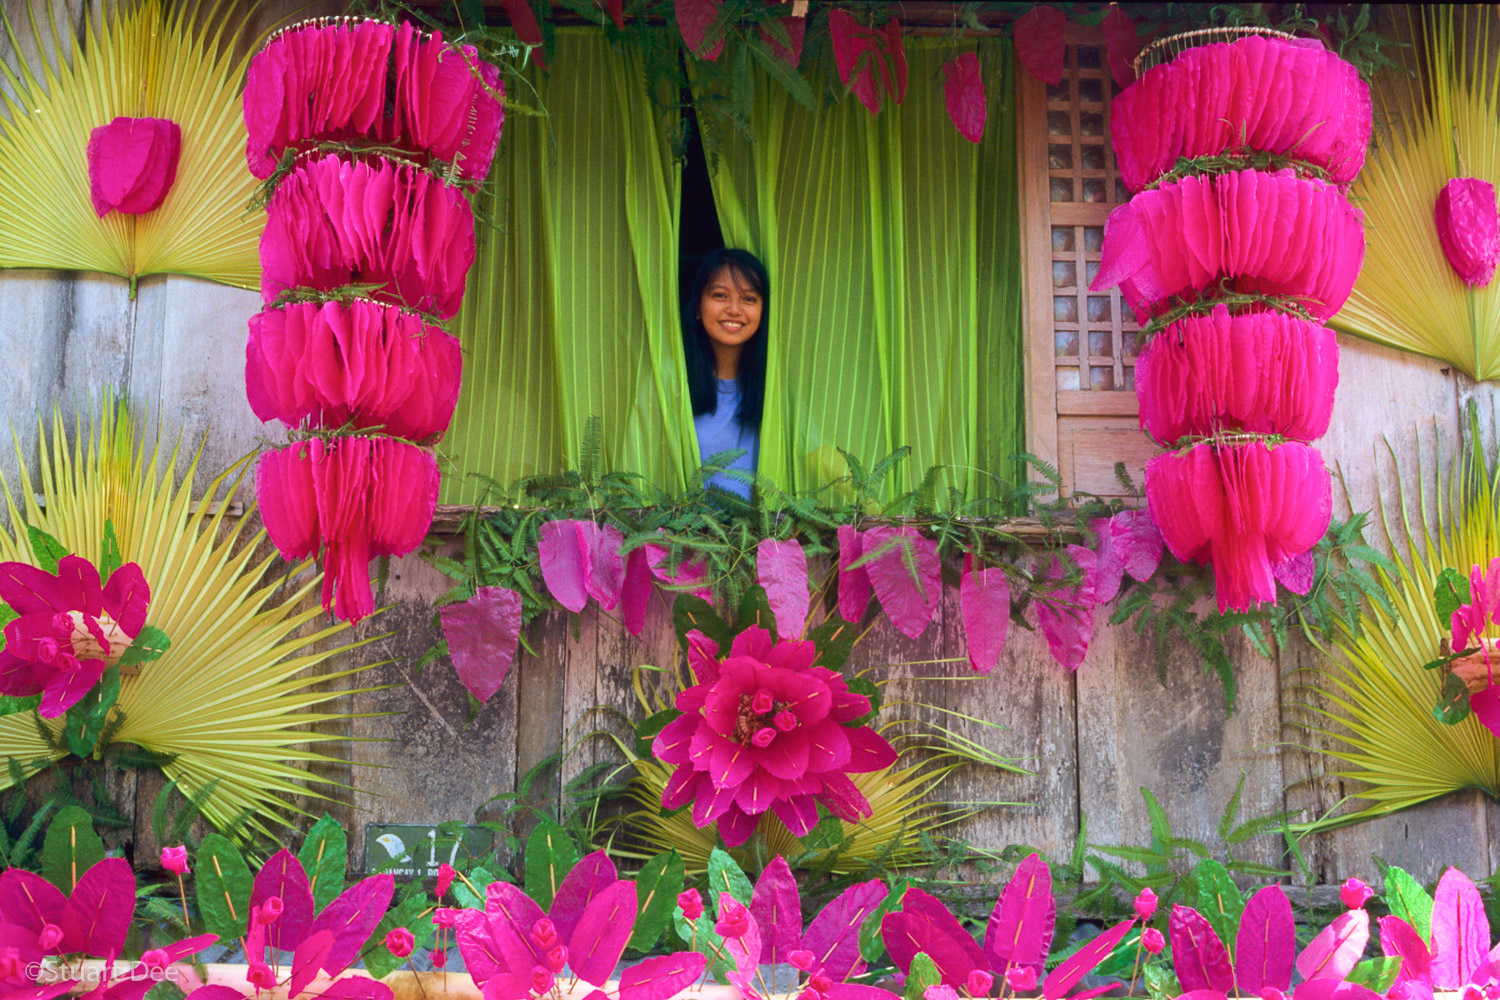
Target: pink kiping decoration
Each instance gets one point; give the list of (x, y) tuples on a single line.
[(1275, 234), (1265, 372), (132, 164), (358, 363), (1289, 97), (1468, 227), (347, 501), (333, 222), (1243, 507), (328, 82)]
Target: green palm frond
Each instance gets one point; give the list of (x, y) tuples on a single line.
[(1446, 124), (140, 58), (1376, 705), (230, 700)]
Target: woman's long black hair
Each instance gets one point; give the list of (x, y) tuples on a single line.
[(702, 375)]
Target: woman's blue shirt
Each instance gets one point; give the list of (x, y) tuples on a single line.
[(720, 431)]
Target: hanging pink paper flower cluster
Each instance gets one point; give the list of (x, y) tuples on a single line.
[(1234, 274), (385, 247)]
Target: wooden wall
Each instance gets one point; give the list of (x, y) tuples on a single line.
[(1093, 738)]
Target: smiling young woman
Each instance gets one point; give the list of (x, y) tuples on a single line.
[(724, 328)]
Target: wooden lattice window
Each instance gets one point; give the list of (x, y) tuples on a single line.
[(1083, 345)]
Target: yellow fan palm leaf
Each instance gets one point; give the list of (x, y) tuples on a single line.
[(139, 59), (1376, 704), (230, 701), (1445, 124)]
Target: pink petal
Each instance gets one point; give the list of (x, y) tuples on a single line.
[(132, 164), (635, 591), (482, 634), (963, 92), (523, 20), (1338, 947), (851, 40), (796, 28), (854, 584), (984, 601), (909, 603), (1468, 226), (564, 564), (781, 568), (1040, 43), (1066, 615)]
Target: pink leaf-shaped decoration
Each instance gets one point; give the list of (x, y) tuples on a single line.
[(564, 564), (356, 988), (777, 908), (963, 92), (1121, 44), (924, 924), (854, 584), (97, 919), (1324, 988), (689, 573), (1398, 939), (1138, 541), (1198, 956), (984, 602), (602, 933), (1460, 932), (895, 61), (1338, 947), (1083, 961), (854, 49), (30, 901), (589, 877), (858, 991), (1266, 945), (1021, 924), (282, 876), (482, 634), (1297, 573), (1040, 43), (523, 21), (694, 18), (909, 602), (310, 955), (1468, 226), (781, 568), (616, 10), (132, 164), (352, 917), (214, 991), (606, 567), (796, 29), (1066, 615), (662, 977), (833, 935), (635, 592)]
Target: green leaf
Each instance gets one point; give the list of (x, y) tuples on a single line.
[(924, 973), (647, 730), (165, 990), (1450, 591), (415, 914), (109, 555), (223, 887), (148, 646), (691, 612), (755, 609), (85, 719), (1453, 703), (70, 848), (1219, 899), (48, 550), (1409, 901), (465, 898), (657, 886), (871, 945), (550, 855), (834, 640), (323, 856), (701, 937), (868, 688), (1376, 973), (725, 876), (13, 706)]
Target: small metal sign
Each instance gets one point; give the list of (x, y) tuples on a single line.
[(414, 849)]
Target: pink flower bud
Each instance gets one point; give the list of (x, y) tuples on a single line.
[(823, 984), (270, 911), (979, 983), (691, 904), (50, 937), (439, 959), (541, 981), (174, 859), (1021, 977), (260, 976), (762, 702), (1355, 894), (734, 919), (66, 662), (1152, 941), (1145, 905), (154, 959), (557, 958), (446, 874), (544, 933), (445, 916), (62, 624), (47, 649), (763, 737), (785, 721), (801, 959), (399, 942)]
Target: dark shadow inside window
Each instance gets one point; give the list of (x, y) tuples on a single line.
[(699, 233)]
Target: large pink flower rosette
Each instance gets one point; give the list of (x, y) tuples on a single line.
[(1233, 273), (767, 730)]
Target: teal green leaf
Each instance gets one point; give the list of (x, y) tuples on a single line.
[(223, 887), (148, 646), (924, 973), (70, 848), (48, 550), (656, 888), (550, 855), (324, 856), (1408, 900)]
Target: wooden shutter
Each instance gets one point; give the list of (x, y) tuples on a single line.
[(1083, 346)]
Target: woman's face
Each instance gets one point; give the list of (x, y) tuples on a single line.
[(730, 309)]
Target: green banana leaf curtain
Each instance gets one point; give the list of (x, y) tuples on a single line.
[(893, 248)]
